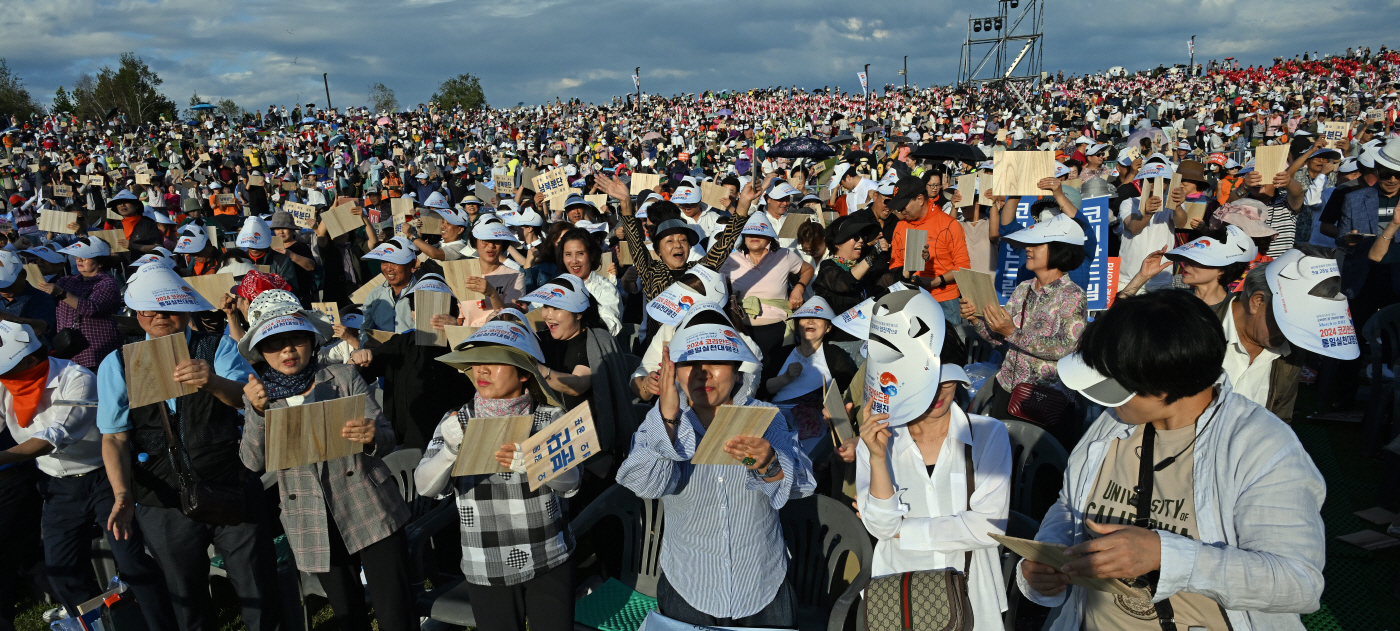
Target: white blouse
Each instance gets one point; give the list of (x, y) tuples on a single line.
[(926, 525)]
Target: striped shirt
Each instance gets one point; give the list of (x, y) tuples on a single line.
[(1284, 220), (724, 550)]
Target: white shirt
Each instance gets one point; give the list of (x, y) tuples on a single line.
[(1250, 379), (708, 222), (930, 515), (77, 445), (608, 297), (1156, 235)]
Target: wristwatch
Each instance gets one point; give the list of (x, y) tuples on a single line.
[(773, 467)]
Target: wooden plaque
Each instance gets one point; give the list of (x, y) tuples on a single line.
[(266, 269), (339, 221), (150, 370), (967, 185), (1053, 554), (427, 304), (838, 418), (380, 336), (362, 293), (1143, 196), (978, 287), (430, 225), (303, 215), (565, 444), (143, 178), (458, 334), (603, 262), (483, 437), (32, 272), (599, 201), (731, 421), (914, 242), (289, 186), (527, 179), (306, 434), (624, 254), (504, 185), (60, 190), (1194, 210), (553, 184), (401, 207), (1336, 133), (456, 274), (111, 237), (642, 182), (792, 223), (256, 180), (213, 287), (225, 199), (57, 221), (1270, 161), (715, 195), (1161, 191), (1017, 172), (330, 309)]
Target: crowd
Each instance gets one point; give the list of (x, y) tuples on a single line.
[(661, 258)]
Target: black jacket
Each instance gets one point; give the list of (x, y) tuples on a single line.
[(418, 389), (842, 368)]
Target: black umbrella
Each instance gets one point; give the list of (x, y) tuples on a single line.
[(801, 147), (948, 151), (843, 137), (112, 113)]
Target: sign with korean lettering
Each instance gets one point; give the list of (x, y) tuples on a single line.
[(1097, 290), (563, 445), (553, 185), (505, 185), (303, 215), (1011, 259), (1335, 133)]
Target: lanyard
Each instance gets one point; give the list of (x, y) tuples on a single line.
[(1166, 616)]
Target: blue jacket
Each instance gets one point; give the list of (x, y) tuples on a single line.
[(1361, 211)]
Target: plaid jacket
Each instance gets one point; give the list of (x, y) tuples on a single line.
[(509, 533), (361, 492)]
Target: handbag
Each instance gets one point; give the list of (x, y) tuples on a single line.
[(1039, 404), (930, 600), (68, 342), (221, 504)]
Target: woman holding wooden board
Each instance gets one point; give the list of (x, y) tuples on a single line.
[(728, 570), (520, 572), (342, 513)]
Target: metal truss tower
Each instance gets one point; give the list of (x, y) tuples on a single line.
[(1006, 46)]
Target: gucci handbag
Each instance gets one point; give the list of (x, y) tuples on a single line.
[(933, 600)]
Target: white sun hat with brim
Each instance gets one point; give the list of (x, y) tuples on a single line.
[(705, 334), (255, 235), (11, 264), (759, 226), (437, 201), (527, 217), (815, 307), (1058, 228), (902, 371), (673, 303), (193, 239), (494, 232), (87, 248), (161, 218), (1309, 306), (1060, 170), (160, 256), (953, 372), (432, 282), (1095, 386), (508, 343), (565, 292), (783, 190), (397, 250), (17, 341), (600, 227), (1238, 247), (46, 253), (352, 321), (155, 288), (455, 217), (278, 311), (1153, 170), (686, 195)]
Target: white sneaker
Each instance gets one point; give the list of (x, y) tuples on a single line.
[(55, 614)]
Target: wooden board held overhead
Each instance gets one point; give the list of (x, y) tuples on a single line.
[(978, 287), (57, 221), (731, 421), (1334, 132), (213, 287), (455, 273), (303, 215), (646, 181), (155, 361), (792, 223), (1270, 161), (340, 220), (483, 437), (62, 191), (967, 185), (427, 304), (306, 434), (226, 200), (331, 310), (624, 254), (112, 237), (599, 201), (504, 185), (914, 242), (716, 195), (1018, 172), (563, 445)]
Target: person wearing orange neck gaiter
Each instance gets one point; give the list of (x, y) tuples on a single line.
[(65, 444)]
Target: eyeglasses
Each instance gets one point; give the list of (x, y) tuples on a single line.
[(151, 314), (1386, 175), (275, 345)]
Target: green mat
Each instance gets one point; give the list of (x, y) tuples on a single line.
[(613, 607)]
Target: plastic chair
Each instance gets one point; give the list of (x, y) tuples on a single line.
[(402, 463), (1032, 450), (823, 537), (1022, 527)]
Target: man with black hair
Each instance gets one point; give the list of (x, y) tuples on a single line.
[(1185, 490)]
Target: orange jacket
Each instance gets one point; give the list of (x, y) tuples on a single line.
[(947, 249)]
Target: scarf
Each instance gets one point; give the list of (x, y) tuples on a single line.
[(129, 224), (845, 265), (26, 390), (280, 386), (492, 408)]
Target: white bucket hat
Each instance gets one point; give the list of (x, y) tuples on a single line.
[(87, 248), (193, 239), (1207, 251), (17, 341), (155, 288), (815, 307), (706, 335), (672, 304), (255, 235), (759, 226)]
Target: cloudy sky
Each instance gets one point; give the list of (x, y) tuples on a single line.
[(258, 52)]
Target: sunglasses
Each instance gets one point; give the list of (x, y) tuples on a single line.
[(1386, 175)]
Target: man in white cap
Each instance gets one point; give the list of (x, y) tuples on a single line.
[(1201, 500), (62, 441), (695, 212), (452, 247), (386, 307), (20, 301), (200, 251), (146, 472)]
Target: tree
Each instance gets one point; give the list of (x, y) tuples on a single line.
[(464, 90), (133, 88), (229, 110), (62, 102), (381, 98), (14, 99)]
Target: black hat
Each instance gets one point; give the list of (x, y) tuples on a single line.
[(850, 227), (906, 189)]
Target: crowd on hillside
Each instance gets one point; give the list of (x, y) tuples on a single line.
[(656, 260)]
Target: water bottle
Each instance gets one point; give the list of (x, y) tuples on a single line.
[(142, 457)]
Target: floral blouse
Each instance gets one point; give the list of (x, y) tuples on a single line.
[(1048, 323)]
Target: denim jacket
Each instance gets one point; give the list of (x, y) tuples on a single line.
[(1258, 500)]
